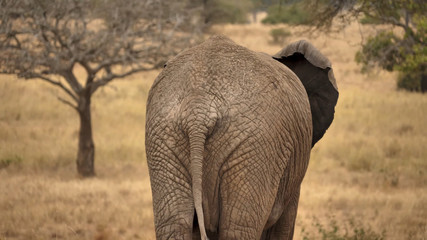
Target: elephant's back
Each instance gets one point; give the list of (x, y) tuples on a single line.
[(226, 72), (243, 87)]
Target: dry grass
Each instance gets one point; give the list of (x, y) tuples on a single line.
[(370, 167)]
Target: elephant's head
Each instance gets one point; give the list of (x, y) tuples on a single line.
[(315, 72)]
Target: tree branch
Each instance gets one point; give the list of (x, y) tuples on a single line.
[(53, 82), (71, 80), (68, 103), (42, 38), (109, 77)]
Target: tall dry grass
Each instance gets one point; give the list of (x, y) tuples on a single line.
[(369, 168)]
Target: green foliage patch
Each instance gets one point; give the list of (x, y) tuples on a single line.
[(410, 81), (7, 161), (405, 53), (381, 50), (226, 11), (279, 35), (290, 14), (349, 230)]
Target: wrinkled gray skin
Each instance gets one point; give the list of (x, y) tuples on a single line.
[(228, 138)]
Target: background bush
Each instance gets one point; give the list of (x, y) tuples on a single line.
[(279, 35), (411, 81), (349, 230), (227, 11), (290, 14)]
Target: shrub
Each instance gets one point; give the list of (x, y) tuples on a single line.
[(413, 70), (7, 161), (379, 51), (226, 11), (290, 14), (406, 54), (410, 81), (279, 35)]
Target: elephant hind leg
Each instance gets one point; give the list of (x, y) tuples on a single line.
[(196, 230), (175, 219), (172, 196), (246, 200), (284, 227)]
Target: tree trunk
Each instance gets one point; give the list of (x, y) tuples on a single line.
[(424, 83), (254, 16), (86, 150)]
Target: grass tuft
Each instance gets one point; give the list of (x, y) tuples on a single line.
[(7, 161), (334, 230)]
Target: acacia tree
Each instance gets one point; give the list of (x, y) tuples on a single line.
[(404, 50), (109, 39)]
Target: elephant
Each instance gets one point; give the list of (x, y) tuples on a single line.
[(229, 133)]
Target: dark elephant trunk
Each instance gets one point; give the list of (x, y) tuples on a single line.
[(86, 147)]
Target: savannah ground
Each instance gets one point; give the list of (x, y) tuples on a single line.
[(368, 173)]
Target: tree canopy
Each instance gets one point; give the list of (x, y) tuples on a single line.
[(399, 46), (43, 38), (109, 39)]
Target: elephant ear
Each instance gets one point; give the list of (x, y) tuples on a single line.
[(316, 74)]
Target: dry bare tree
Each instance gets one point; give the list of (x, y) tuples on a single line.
[(110, 39)]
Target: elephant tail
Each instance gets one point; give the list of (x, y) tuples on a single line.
[(197, 145)]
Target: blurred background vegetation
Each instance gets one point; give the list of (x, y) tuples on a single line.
[(399, 45), (368, 172)]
